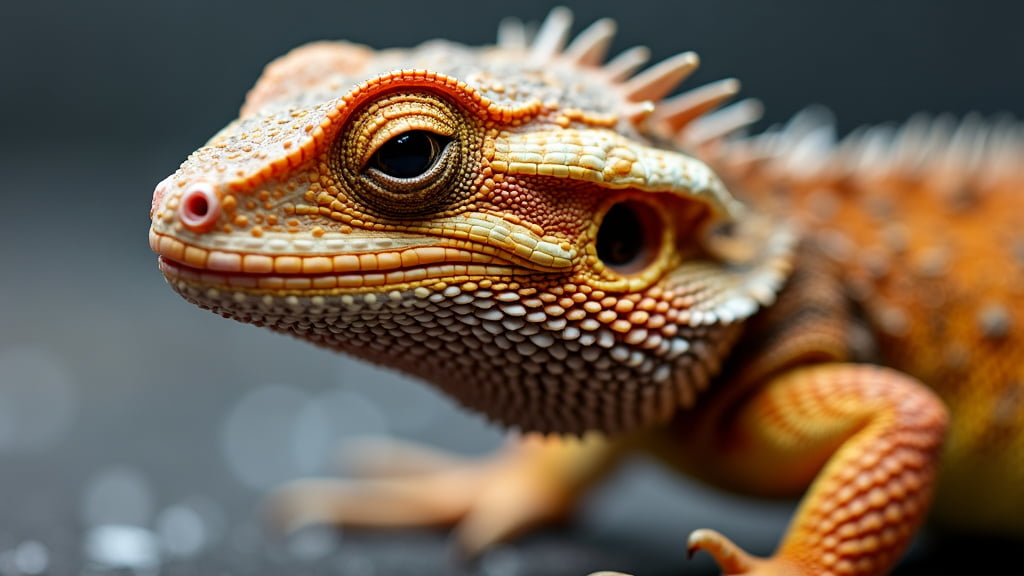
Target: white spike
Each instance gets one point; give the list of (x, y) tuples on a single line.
[(935, 141), (768, 144), (807, 120), (552, 36), (658, 80), (678, 111), (809, 156), (967, 148), (722, 123), (909, 146), (1006, 147), (732, 155), (761, 147), (875, 152), (512, 34), (627, 62), (943, 168), (637, 112), (805, 139), (847, 151), (591, 45)]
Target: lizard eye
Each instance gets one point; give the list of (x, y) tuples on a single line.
[(629, 237), (410, 154)]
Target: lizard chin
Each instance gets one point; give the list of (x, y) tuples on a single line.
[(496, 348)]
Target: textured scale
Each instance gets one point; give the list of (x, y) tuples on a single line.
[(924, 223), (488, 263), (725, 316)]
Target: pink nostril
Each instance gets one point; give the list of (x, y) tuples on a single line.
[(199, 208)]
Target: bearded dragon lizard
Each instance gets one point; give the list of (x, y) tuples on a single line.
[(556, 243)]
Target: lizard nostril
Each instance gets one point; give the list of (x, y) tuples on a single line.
[(199, 208)]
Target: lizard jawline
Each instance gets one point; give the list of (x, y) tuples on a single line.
[(376, 279)]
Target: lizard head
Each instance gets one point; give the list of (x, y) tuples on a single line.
[(498, 221)]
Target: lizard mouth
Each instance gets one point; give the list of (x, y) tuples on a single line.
[(405, 267), (406, 277)]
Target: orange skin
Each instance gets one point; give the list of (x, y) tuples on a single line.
[(929, 254)]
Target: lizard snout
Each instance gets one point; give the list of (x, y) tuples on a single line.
[(158, 196)]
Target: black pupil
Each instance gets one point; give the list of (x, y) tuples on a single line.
[(408, 155), (620, 239)]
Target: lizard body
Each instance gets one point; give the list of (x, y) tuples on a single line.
[(925, 237), (555, 244)]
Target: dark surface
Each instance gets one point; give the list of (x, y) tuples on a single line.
[(138, 432)]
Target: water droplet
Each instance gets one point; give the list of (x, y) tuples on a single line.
[(118, 546), (181, 530), (31, 557)]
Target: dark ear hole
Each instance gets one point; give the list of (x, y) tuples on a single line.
[(630, 237)]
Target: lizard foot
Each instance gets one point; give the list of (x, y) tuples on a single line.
[(734, 561), (530, 483)]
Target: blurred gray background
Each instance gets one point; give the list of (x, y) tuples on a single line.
[(138, 434)]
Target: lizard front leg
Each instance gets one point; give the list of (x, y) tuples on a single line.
[(533, 481), (866, 439)]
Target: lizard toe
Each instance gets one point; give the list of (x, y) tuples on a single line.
[(734, 561), (396, 484)]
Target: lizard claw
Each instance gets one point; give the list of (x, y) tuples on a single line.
[(734, 561), (730, 557)]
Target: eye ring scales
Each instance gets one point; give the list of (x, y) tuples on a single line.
[(408, 155)]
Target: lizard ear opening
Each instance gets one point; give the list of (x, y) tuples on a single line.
[(629, 237)]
